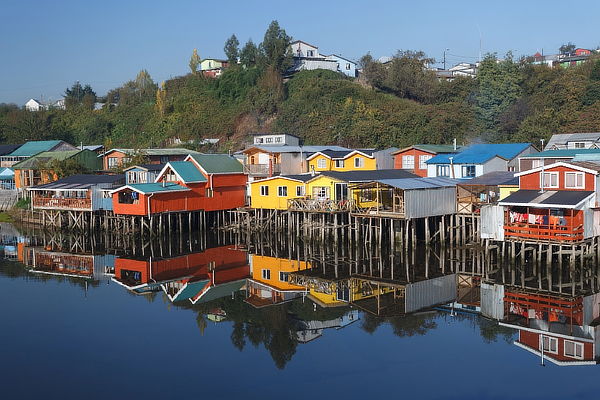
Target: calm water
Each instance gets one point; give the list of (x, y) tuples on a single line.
[(90, 335)]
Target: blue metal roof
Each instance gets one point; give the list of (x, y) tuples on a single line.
[(481, 153)]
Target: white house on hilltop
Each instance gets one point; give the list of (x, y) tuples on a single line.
[(307, 57), (36, 105)]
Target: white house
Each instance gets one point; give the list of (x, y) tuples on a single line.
[(345, 66), (307, 57), (34, 105), (276, 139), (574, 141)]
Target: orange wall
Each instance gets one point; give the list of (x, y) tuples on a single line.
[(416, 154), (532, 181)]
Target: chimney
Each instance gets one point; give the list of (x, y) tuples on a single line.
[(454, 143), (164, 181)]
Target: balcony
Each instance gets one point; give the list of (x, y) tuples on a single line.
[(262, 169), (50, 203), (567, 228), (320, 205)]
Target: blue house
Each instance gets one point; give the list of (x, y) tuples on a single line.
[(144, 173), (345, 66), (479, 159)]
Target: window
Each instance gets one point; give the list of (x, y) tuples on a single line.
[(359, 162), (536, 163), (347, 66), (259, 140), (468, 171), (299, 191), (282, 191), (113, 162), (574, 180), (278, 139), (550, 180), (573, 349), (408, 162), (310, 53), (423, 161), (579, 145), (284, 276), (321, 163), (269, 140), (266, 274), (339, 163), (443, 170), (366, 195), (164, 159), (550, 344), (321, 192), (210, 192), (264, 190)]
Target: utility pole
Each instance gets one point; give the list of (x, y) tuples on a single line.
[(445, 58)]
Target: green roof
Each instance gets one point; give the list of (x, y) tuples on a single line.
[(190, 290), (44, 157), (218, 163), (187, 171), (32, 148), (179, 151), (146, 188), (564, 153)]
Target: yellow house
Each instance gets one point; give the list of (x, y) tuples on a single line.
[(273, 193), (269, 282), (506, 190), (351, 160), (334, 186)]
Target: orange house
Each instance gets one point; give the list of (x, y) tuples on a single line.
[(208, 182), (555, 202), (414, 158)]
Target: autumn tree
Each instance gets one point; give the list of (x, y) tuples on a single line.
[(232, 50), (194, 61)]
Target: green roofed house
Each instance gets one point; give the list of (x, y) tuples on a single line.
[(116, 158), (32, 148), (36, 170), (216, 163)]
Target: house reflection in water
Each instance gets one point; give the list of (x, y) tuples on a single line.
[(197, 277), (88, 266), (269, 283), (311, 330)]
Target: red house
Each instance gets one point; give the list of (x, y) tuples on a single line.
[(414, 158), (207, 182), (555, 202)]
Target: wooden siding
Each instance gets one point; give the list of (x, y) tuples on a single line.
[(532, 181), (417, 156)]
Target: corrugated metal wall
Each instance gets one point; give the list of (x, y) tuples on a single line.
[(429, 293), (430, 202), (588, 223), (492, 222), (492, 301)]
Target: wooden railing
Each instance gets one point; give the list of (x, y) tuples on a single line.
[(322, 205), (262, 169), (62, 204), (544, 232)]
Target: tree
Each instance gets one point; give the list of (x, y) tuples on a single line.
[(76, 94), (249, 54), (567, 49), (161, 99), (275, 48), (595, 72), (194, 61), (232, 50)]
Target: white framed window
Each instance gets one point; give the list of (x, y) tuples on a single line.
[(442, 170), (284, 276), (269, 140), (113, 162), (347, 66), (550, 344), (266, 274), (579, 145), (310, 53), (359, 162), (408, 162), (537, 163), (574, 180), (264, 190), (339, 163), (573, 349), (299, 191), (210, 192), (468, 171), (321, 192), (278, 139), (423, 161), (282, 191), (321, 163), (550, 180)]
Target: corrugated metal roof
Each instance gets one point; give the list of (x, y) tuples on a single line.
[(300, 177), (147, 167), (587, 157), (418, 183), (218, 163), (494, 178), (295, 149), (8, 148), (46, 156), (187, 171), (32, 148), (156, 187), (563, 153), (481, 153), (366, 176), (550, 198), (433, 148), (561, 139), (175, 151), (81, 181)]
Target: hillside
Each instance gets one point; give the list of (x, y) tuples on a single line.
[(392, 106)]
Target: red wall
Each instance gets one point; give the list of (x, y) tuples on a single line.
[(416, 154), (532, 339), (532, 181)]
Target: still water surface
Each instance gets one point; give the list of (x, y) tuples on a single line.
[(92, 336)]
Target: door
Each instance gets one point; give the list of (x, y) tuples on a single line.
[(341, 191)]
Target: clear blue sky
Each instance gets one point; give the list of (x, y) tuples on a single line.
[(47, 45)]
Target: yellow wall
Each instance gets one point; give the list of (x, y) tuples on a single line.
[(325, 181), (329, 299), (273, 201), (276, 265), (369, 164), (505, 191)]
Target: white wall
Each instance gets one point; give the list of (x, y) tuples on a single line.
[(301, 49)]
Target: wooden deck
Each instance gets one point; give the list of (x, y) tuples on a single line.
[(50, 203), (321, 205)]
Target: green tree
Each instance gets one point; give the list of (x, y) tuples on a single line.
[(567, 49), (194, 61), (78, 94), (232, 50), (249, 54), (275, 48)]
